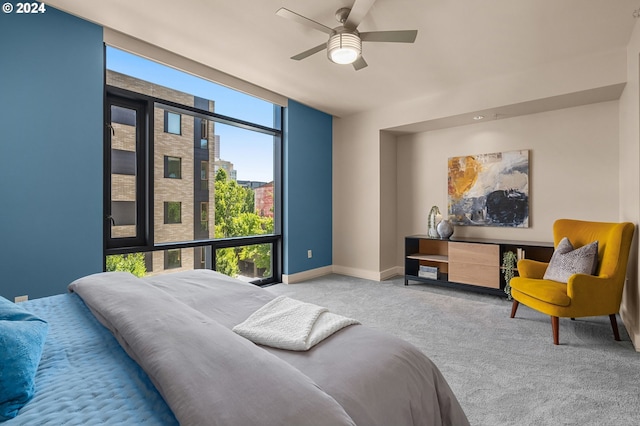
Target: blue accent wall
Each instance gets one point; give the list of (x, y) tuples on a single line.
[(51, 152), (307, 189)]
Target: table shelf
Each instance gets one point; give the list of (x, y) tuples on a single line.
[(466, 263)]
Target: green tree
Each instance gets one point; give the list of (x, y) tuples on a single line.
[(230, 203), (250, 200), (133, 262), (260, 254), (235, 217)]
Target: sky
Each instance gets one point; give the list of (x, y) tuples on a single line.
[(235, 143)]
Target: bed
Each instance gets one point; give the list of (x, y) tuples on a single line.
[(170, 349)]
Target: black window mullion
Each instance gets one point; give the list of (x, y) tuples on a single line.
[(144, 241), (140, 163)]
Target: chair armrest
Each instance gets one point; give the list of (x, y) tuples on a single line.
[(528, 268), (592, 292)]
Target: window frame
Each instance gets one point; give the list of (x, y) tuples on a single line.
[(166, 259), (167, 116), (144, 242), (167, 209), (167, 161), (142, 149), (204, 219), (204, 171)]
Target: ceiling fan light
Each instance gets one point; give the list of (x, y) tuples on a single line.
[(344, 48)]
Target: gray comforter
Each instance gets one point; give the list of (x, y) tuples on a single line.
[(178, 328)]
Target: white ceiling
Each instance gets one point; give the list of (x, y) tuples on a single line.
[(459, 41)]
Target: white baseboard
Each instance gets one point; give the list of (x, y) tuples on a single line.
[(343, 270), (358, 273), (396, 271), (307, 275), (369, 275)]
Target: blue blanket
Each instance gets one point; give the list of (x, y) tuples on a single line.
[(22, 337)]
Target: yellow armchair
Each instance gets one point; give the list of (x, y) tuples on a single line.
[(583, 295)]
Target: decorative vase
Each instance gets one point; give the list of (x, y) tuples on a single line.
[(445, 229), (433, 220)]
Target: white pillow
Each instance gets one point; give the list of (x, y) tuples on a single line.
[(567, 261)]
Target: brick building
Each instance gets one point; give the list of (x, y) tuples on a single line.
[(184, 151), (264, 199)]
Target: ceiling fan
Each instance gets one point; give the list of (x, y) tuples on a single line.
[(345, 41)]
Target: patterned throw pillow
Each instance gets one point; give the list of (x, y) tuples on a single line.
[(567, 261)]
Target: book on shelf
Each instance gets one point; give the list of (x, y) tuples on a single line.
[(430, 272)]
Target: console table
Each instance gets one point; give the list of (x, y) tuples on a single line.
[(467, 263)]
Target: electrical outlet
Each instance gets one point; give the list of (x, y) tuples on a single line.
[(309, 254), (19, 299)]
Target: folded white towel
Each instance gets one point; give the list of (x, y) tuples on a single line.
[(291, 324)]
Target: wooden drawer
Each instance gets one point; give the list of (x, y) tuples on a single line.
[(481, 254), (472, 273), (476, 264)]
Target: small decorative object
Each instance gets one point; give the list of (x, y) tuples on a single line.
[(445, 229), (434, 218), (509, 260)]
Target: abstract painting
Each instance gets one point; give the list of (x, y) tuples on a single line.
[(490, 189)]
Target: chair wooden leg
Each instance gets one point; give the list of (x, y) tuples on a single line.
[(514, 308), (555, 325), (614, 325)]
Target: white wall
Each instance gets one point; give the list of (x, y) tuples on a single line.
[(356, 199), (389, 207), (630, 182), (360, 223), (573, 169)]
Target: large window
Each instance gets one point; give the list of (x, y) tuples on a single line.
[(185, 182), (228, 102)]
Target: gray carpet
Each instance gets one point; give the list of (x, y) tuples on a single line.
[(504, 371)]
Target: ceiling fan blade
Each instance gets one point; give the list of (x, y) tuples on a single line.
[(359, 63), (310, 52), (288, 14), (406, 36), (358, 11)]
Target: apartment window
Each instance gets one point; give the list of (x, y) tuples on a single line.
[(172, 123), (172, 167), (203, 257), (204, 216), (204, 175), (172, 212), (204, 134), (172, 259)]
